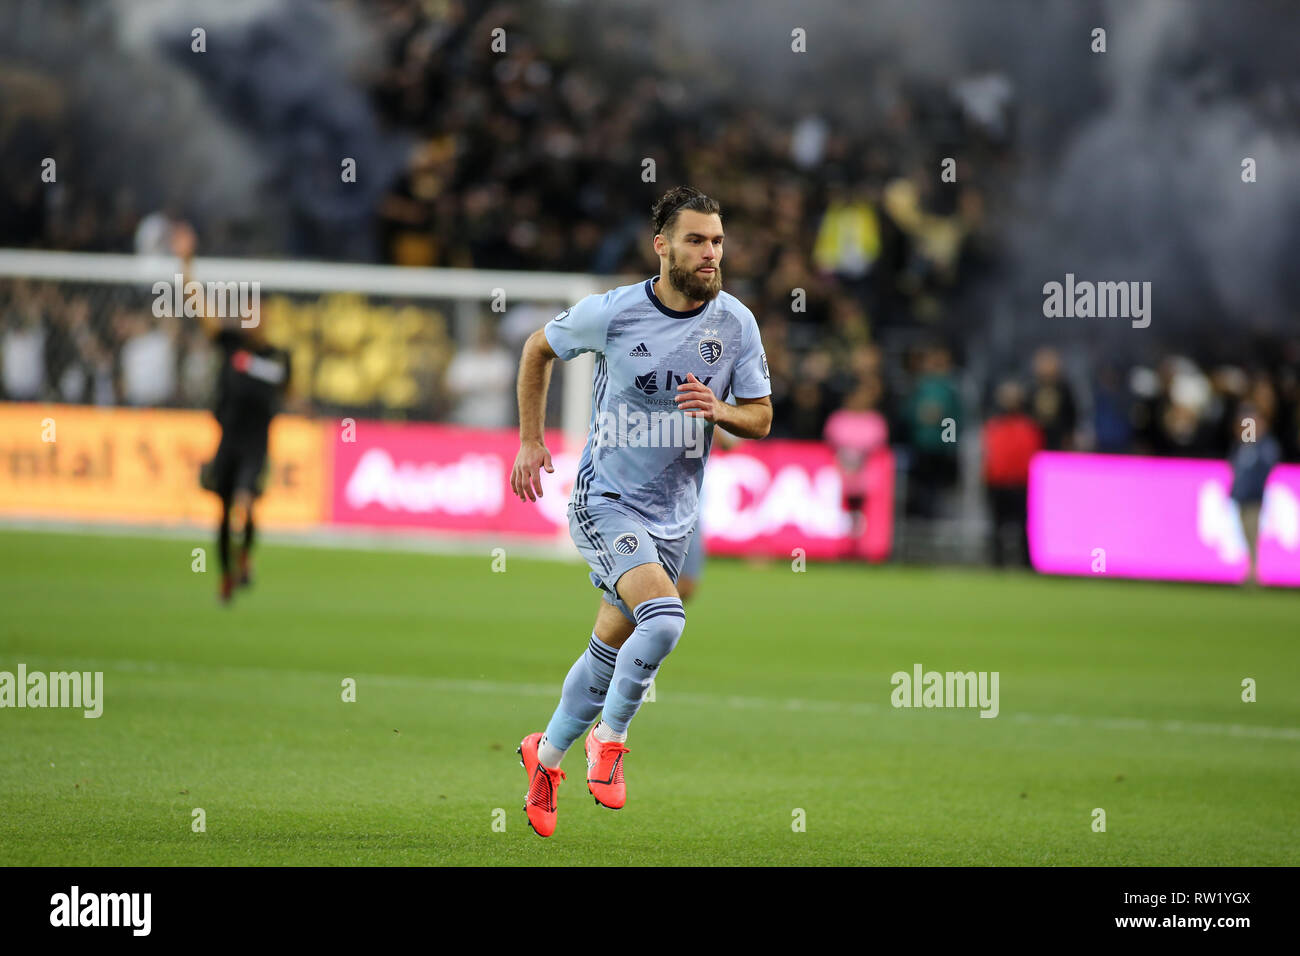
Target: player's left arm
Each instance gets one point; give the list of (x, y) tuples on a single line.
[(183, 244), (748, 418)]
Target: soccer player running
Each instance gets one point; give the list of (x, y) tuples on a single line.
[(669, 351), (251, 383)]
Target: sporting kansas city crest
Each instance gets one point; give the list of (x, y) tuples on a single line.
[(626, 544), (710, 347)]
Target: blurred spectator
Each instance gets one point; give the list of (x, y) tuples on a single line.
[(793, 289), (933, 414), (1146, 389), (23, 367), (1228, 386), (1111, 413), (935, 237), (1287, 378), (1185, 428), (848, 239), (99, 368), (1255, 455), (148, 361), (1011, 439), (153, 236), (481, 381), (1051, 402), (855, 432), (802, 410), (195, 380), (65, 366)]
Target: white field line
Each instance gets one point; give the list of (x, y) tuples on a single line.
[(788, 705)]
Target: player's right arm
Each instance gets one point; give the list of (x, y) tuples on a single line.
[(183, 244), (534, 381), (580, 329)]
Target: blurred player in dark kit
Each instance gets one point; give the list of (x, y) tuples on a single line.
[(251, 382)]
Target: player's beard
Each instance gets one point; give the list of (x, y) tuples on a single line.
[(693, 285)]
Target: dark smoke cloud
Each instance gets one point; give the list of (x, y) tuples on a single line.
[(1148, 185), (247, 137), (281, 70), (1129, 162)]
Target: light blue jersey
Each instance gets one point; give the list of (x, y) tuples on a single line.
[(641, 451)]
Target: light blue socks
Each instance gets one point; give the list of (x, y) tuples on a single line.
[(659, 623), (580, 701)]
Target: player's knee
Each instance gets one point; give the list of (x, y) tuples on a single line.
[(662, 621)]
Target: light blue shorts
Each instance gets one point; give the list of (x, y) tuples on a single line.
[(693, 565), (613, 542)]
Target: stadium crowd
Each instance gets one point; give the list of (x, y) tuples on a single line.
[(530, 161), (857, 260), (101, 345)]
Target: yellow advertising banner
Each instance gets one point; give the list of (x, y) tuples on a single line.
[(120, 464)]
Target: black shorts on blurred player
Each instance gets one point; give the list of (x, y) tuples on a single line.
[(239, 465)]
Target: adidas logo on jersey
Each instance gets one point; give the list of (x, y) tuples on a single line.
[(640, 352)]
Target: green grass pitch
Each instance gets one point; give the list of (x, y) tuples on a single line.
[(1113, 695)]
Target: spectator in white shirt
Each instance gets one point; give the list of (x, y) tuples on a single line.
[(481, 381)]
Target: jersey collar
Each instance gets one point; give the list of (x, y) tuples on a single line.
[(671, 313)]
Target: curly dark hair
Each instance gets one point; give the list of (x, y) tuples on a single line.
[(664, 212)]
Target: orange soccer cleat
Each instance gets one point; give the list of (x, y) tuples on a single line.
[(605, 771), (542, 784)]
